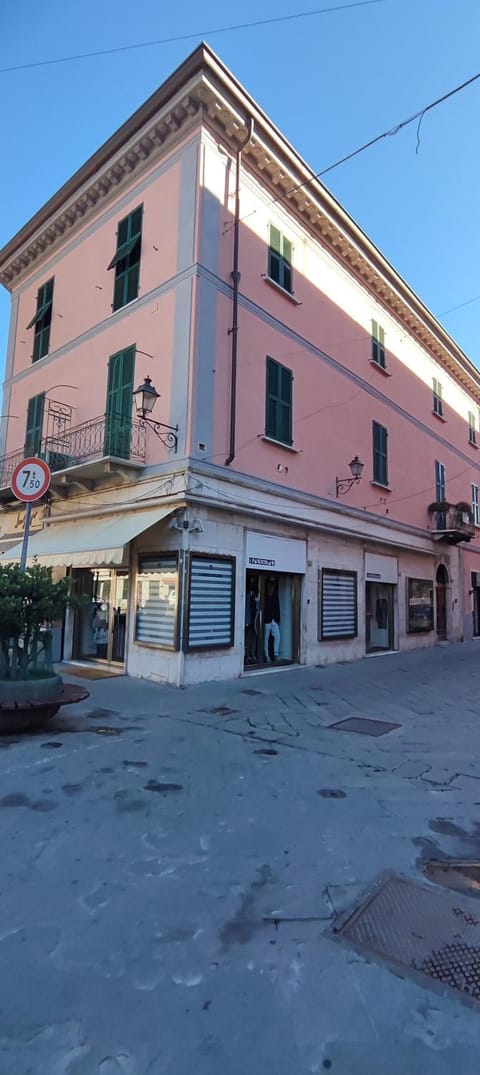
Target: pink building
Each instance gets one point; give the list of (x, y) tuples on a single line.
[(227, 531)]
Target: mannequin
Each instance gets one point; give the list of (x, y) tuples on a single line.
[(251, 623), (272, 621)]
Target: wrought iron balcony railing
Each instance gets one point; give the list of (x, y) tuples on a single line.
[(114, 437)]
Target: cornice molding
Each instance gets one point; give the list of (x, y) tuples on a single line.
[(203, 91)]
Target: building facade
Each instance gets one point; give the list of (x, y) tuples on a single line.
[(225, 529)]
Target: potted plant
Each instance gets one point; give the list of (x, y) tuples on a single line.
[(30, 690), (439, 505)]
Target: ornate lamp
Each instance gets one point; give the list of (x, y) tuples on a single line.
[(343, 485), (145, 397)]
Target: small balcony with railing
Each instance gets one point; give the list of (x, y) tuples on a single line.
[(451, 523), (81, 455)]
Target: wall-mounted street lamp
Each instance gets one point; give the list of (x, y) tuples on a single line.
[(343, 485), (145, 397)]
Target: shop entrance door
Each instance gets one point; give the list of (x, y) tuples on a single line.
[(379, 617), (101, 622), (272, 619)]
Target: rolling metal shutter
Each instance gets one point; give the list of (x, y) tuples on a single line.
[(338, 604), (157, 600), (210, 621)]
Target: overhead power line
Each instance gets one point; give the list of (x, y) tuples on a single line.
[(190, 36), (385, 134)]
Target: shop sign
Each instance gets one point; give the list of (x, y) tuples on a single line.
[(265, 552)]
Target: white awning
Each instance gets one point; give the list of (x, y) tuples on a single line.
[(87, 542)]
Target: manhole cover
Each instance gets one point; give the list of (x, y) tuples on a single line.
[(459, 874), (364, 726), (251, 691), (266, 752), (430, 935), (219, 711)]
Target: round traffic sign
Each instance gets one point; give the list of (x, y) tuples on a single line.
[(30, 479)]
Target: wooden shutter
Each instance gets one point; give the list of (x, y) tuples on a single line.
[(118, 422), (34, 429), (380, 464)]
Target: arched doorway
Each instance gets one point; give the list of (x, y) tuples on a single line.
[(441, 583)]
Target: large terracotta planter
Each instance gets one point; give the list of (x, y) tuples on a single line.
[(30, 703)]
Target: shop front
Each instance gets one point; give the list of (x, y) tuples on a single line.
[(275, 568), (381, 581), (100, 624)]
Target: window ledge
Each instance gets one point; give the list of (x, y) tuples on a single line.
[(283, 291), (127, 304), (380, 485), (439, 416), (381, 369), (473, 444), (280, 444)]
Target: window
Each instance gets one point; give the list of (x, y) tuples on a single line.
[(42, 321), (280, 259), (127, 259), (419, 605), (440, 493), (378, 345), (475, 505), (118, 411), (437, 398), (157, 597), (34, 429), (472, 428), (211, 602), (278, 412), (338, 604), (380, 460)]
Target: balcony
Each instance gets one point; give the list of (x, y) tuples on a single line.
[(84, 454), (452, 523)]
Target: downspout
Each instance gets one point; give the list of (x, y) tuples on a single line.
[(236, 281)]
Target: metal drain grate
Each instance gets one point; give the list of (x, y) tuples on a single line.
[(427, 934), (364, 726), (459, 874)]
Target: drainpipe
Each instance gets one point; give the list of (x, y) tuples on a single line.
[(236, 281)]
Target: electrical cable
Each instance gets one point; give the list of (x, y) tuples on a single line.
[(191, 36), (385, 134)]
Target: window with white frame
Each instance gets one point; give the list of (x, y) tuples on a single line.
[(475, 505), (472, 427)]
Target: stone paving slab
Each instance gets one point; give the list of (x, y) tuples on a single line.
[(141, 871)]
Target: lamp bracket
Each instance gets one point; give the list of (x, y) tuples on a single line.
[(343, 485), (169, 438)]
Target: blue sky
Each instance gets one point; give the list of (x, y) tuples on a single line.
[(330, 82)]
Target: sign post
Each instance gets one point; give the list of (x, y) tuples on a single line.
[(30, 481)]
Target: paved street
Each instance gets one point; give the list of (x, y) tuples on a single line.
[(170, 873)]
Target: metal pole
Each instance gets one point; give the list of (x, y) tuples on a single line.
[(23, 558)]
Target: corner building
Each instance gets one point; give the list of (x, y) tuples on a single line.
[(226, 529)]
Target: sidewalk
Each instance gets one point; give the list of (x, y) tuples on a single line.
[(151, 835)]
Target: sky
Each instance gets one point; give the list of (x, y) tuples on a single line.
[(330, 82)]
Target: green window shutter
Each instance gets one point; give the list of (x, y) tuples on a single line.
[(118, 411), (42, 320), (126, 260), (34, 427), (380, 458), (278, 408), (280, 259)]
